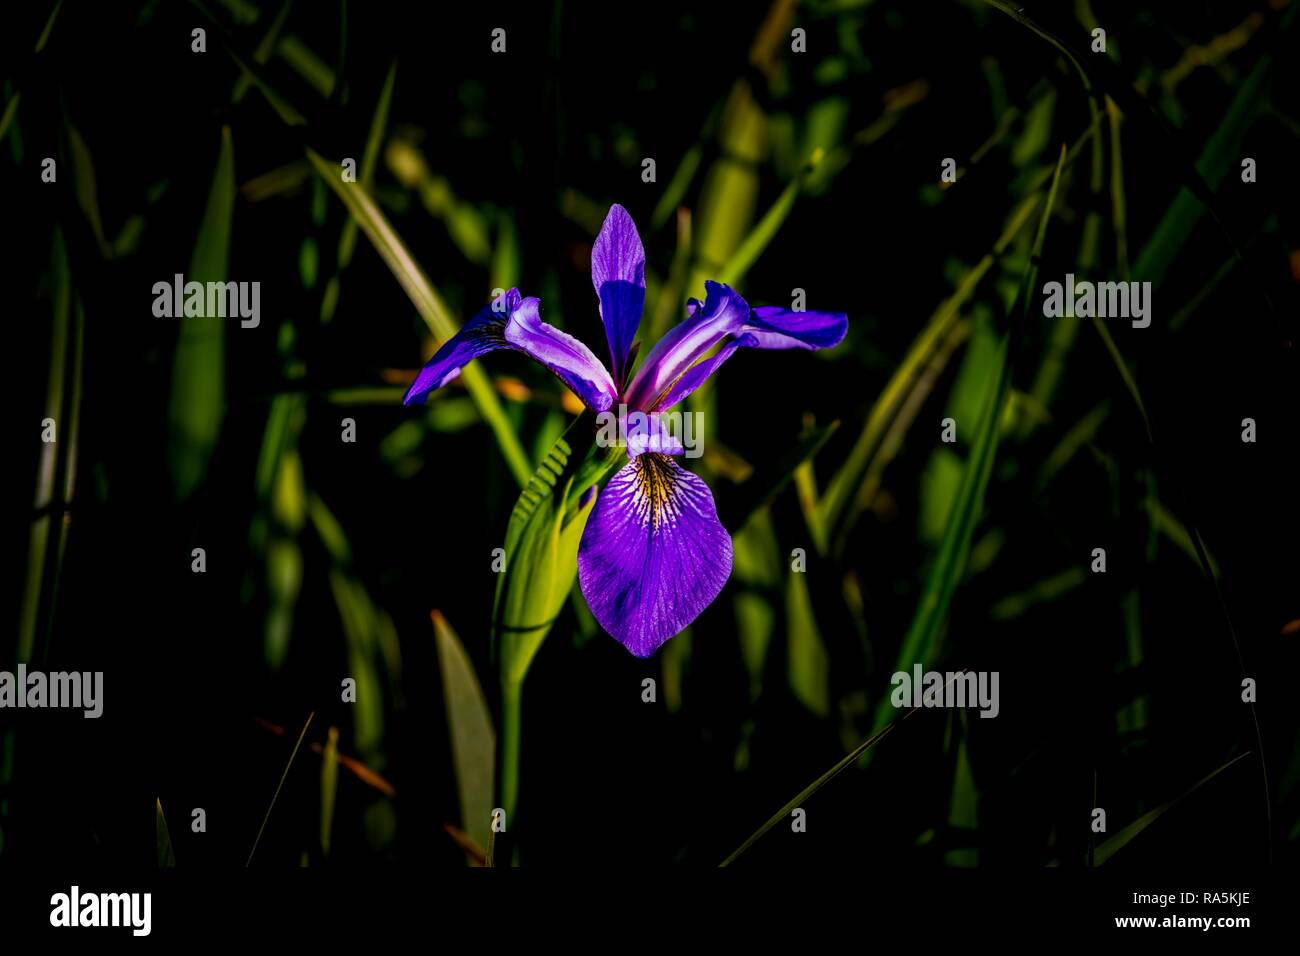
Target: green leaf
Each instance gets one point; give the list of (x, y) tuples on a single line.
[(1125, 836), (428, 303), (770, 478), (541, 555), (473, 739), (834, 508), (809, 665), (329, 788), (541, 544), (166, 855), (945, 574), (198, 368)]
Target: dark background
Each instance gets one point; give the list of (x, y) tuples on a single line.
[(583, 93)]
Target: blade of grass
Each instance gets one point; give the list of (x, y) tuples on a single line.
[(473, 739), (329, 788), (844, 484), (762, 234), (166, 855), (945, 574), (1125, 836), (784, 813), (280, 786), (198, 367), (429, 304)]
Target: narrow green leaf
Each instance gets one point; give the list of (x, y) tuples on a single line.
[(769, 479), (280, 786), (762, 234), (329, 788), (834, 509), (428, 303), (541, 550), (198, 368), (166, 855), (950, 562), (1125, 836), (473, 739)]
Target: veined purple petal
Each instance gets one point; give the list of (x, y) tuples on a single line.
[(723, 313), (776, 328), (514, 322), (769, 327), (697, 374), (482, 334), (653, 553), (564, 355), (618, 275)]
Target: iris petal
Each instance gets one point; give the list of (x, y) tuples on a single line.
[(618, 274), (769, 327), (564, 355), (482, 334), (653, 554), (723, 313), (514, 322)]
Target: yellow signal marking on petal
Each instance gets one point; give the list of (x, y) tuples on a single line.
[(655, 502)]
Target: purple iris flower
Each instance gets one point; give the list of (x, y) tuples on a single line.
[(653, 553)]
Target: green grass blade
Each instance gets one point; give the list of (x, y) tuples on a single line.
[(329, 789), (166, 855), (833, 507), (280, 786), (473, 738), (1125, 836), (428, 303), (762, 234), (946, 572), (198, 368)]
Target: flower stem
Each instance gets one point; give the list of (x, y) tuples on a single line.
[(508, 751)]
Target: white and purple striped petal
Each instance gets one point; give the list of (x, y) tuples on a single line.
[(514, 322), (653, 554), (769, 327), (723, 313)]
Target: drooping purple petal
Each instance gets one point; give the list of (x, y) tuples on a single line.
[(618, 275), (778, 328), (769, 327), (482, 334), (653, 553), (514, 322), (723, 313), (564, 355)]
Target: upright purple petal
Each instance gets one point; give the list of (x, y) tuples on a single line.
[(769, 327), (723, 313), (564, 355), (482, 334), (618, 275), (653, 553)]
